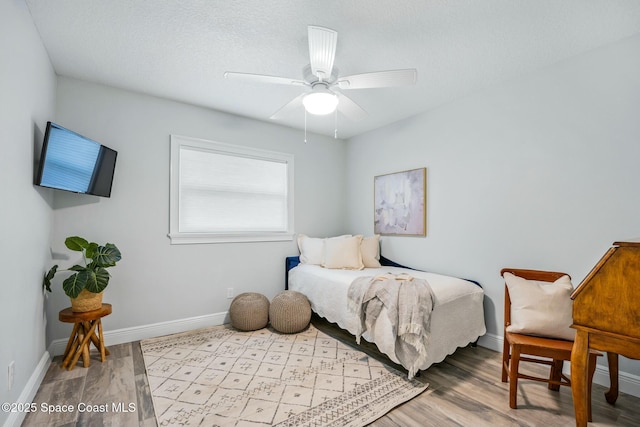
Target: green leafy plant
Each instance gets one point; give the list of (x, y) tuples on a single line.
[(93, 276)]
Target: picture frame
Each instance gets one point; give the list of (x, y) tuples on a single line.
[(400, 207)]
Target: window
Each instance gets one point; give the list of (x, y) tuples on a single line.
[(227, 193)]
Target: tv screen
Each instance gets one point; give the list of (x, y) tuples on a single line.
[(72, 162)]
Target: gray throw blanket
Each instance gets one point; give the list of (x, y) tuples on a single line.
[(409, 302)]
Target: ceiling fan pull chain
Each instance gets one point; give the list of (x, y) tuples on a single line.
[(305, 125), (335, 132)]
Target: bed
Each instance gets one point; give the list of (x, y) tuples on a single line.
[(457, 318)]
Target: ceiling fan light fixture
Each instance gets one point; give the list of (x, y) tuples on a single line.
[(320, 103), (321, 77)]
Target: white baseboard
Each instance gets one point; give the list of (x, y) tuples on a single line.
[(491, 341), (628, 383), (15, 419), (136, 333)]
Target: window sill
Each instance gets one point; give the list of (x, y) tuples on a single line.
[(204, 238)]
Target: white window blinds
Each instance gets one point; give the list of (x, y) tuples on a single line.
[(229, 193)]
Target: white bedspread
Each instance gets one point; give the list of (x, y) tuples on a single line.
[(457, 318)]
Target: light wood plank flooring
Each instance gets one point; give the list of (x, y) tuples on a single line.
[(464, 390), (121, 379)]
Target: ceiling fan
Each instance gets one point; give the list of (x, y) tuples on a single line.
[(325, 85)]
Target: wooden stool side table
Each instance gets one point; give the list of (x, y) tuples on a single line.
[(87, 329)]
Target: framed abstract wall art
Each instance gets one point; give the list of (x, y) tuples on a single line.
[(400, 203)]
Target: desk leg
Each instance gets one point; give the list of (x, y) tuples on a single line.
[(579, 377), (612, 394)]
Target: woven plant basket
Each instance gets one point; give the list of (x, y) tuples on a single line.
[(86, 301)]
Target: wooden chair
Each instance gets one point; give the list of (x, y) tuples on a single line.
[(547, 351)]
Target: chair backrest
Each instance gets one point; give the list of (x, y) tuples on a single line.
[(540, 275)]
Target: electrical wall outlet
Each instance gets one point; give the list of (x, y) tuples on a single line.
[(229, 293), (10, 372)]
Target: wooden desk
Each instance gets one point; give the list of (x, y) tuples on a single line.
[(87, 329), (606, 316)]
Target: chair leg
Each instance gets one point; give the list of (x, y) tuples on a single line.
[(513, 376), (506, 355), (556, 374)]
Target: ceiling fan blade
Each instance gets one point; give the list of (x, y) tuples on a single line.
[(295, 103), (379, 79), (261, 78), (322, 51), (350, 109)]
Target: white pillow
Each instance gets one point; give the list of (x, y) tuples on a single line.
[(343, 252), (332, 244), (541, 308), (311, 249), (370, 249)]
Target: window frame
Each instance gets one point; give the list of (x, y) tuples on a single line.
[(178, 237)]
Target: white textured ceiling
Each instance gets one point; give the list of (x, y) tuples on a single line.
[(180, 49)]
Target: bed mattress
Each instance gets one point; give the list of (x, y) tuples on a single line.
[(457, 317)]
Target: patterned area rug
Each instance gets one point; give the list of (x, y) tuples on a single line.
[(222, 377)]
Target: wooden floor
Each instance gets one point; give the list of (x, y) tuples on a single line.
[(464, 390), (121, 379)]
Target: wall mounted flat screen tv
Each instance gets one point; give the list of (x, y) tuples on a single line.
[(72, 162)]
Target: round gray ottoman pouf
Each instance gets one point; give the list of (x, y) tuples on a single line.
[(290, 312), (249, 311)]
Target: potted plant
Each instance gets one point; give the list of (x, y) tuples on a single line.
[(86, 285)]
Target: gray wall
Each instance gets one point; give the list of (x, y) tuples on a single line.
[(541, 172), (27, 88), (155, 281)]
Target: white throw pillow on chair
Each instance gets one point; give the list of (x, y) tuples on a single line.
[(541, 308)]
